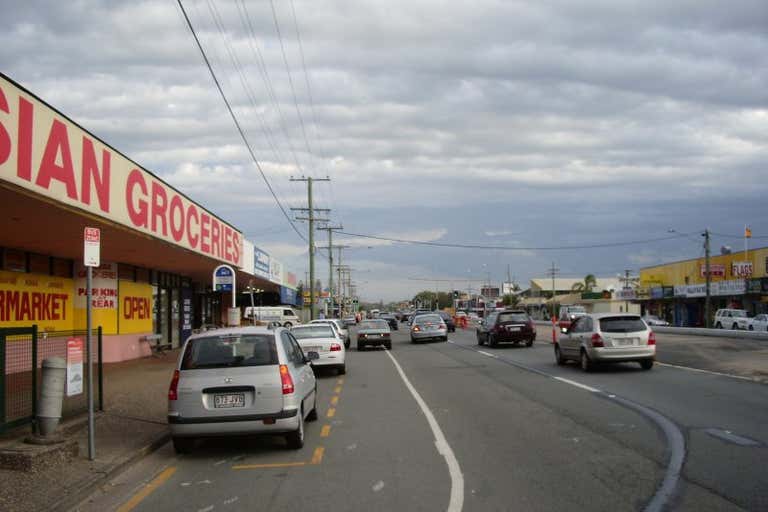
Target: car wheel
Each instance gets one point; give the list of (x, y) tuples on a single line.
[(586, 363), (341, 370), (735, 327), (183, 444), (389, 346), (347, 344), (295, 439), (413, 341), (287, 325), (312, 416), (751, 327), (492, 340), (360, 346), (718, 325), (646, 364), (559, 356), (444, 338), (479, 339), (529, 343)]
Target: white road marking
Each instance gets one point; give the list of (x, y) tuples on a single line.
[(351, 447), (206, 482), (231, 500), (456, 501), (577, 384), (206, 509), (378, 486), (719, 374), (186, 484), (488, 354), (219, 463)]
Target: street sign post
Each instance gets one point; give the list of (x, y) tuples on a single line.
[(224, 281), (91, 258)]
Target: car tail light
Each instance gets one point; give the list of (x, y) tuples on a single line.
[(385, 335), (597, 340), (651, 338), (442, 326), (416, 328), (286, 379), (335, 347), (173, 393), (530, 325)]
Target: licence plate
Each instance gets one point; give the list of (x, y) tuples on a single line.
[(624, 342), (513, 329), (313, 349), (230, 400)]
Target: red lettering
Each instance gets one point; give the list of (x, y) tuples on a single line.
[(215, 246), (5, 138), (135, 307), (24, 157), (159, 206), (227, 243), (205, 233), (140, 216), (46, 306), (192, 238), (91, 170), (24, 308), (36, 306), (237, 245), (177, 212), (58, 142)]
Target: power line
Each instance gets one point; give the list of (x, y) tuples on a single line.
[(237, 123), (508, 248)]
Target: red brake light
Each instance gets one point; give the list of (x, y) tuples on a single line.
[(651, 338), (173, 389), (286, 379), (416, 328), (335, 347), (597, 340)]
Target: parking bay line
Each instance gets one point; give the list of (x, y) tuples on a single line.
[(334, 400), (147, 489), (325, 431), (337, 389), (268, 466), (317, 457), (331, 412)]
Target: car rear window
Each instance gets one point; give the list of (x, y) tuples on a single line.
[(374, 324), (423, 319), (229, 351), (513, 317), (622, 324), (313, 331)]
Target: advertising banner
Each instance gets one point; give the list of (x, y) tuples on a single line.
[(186, 314), (287, 296), (657, 293), (104, 298), (732, 287), (75, 347), (261, 263), (135, 300), (741, 268), (48, 154), (27, 299), (715, 270), (275, 271)]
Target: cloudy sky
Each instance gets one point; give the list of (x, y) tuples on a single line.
[(529, 126)]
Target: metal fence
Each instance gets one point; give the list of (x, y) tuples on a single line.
[(20, 378)]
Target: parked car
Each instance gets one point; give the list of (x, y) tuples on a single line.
[(759, 323), (568, 313), (607, 338), (511, 326), (426, 327), (322, 339), (284, 315), (337, 326), (731, 319), (653, 320), (390, 319), (240, 381), (374, 333), (349, 321), (448, 319)]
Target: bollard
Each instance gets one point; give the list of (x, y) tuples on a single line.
[(54, 371), (554, 331)]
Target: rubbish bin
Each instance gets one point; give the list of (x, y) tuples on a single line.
[(51, 395)]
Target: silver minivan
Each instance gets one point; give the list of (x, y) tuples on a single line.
[(241, 381), (607, 338)]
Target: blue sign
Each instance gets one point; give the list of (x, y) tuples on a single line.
[(657, 293), (287, 296), (223, 279), (260, 262)]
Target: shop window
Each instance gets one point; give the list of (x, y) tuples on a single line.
[(39, 264), (61, 267), (125, 272), (15, 261)]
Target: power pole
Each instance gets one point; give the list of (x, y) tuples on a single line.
[(331, 266), (707, 304), (312, 219), (626, 287), (553, 270)]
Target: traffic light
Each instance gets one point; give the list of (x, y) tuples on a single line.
[(455, 294)]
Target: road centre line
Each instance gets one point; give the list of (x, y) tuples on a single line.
[(710, 372), (337, 389), (577, 384), (334, 400), (325, 431), (331, 412), (456, 501), (273, 465), (317, 457), (488, 354), (147, 489)]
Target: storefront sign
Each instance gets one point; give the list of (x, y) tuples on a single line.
[(186, 314), (27, 299), (287, 296), (74, 366), (691, 290), (626, 294), (657, 293), (764, 284), (275, 271), (261, 265), (104, 290), (136, 308), (223, 279), (46, 153), (669, 292), (733, 287), (754, 285), (741, 268), (92, 247), (715, 270)]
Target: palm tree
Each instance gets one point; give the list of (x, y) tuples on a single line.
[(590, 281)]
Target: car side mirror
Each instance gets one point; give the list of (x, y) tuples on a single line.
[(311, 356), (564, 330)]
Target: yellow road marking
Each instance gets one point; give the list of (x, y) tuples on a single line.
[(266, 466), (340, 381), (147, 490), (325, 431), (331, 412), (334, 400), (337, 389), (317, 457)]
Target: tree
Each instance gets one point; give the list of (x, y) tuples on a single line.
[(590, 281), (511, 300), (426, 299)]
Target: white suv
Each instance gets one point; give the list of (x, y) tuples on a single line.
[(734, 319)]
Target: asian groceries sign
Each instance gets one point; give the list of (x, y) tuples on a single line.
[(43, 151)]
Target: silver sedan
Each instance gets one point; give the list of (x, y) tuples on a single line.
[(428, 327)]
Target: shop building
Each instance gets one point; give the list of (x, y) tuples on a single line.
[(158, 247)]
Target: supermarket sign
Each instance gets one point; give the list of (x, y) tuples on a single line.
[(42, 151)]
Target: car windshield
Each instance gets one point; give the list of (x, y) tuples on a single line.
[(622, 324), (229, 351), (513, 317), (374, 324), (313, 331), (739, 313), (425, 319)]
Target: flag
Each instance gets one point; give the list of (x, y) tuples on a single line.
[(747, 232)]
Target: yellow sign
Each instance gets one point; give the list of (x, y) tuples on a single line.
[(27, 299), (135, 306)]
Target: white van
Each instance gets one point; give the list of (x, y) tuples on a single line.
[(286, 316)]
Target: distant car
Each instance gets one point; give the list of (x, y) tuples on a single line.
[(511, 326), (568, 314), (653, 320), (374, 333), (461, 314), (322, 339), (239, 381), (448, 319), (417, 313), (473, 316), (390, 319), (337, 326), (607, 338), (429, 326), (734, 319), (349, 321), (759, 323)]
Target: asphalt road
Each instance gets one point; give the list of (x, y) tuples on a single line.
[(522, 440)]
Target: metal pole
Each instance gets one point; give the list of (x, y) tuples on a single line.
[(311, 250), (342, 303), (89, 356), (100, 367), (34, 378), (707, 304), (330, 268), (253, 317)]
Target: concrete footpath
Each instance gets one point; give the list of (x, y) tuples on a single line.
[(132, 425)]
